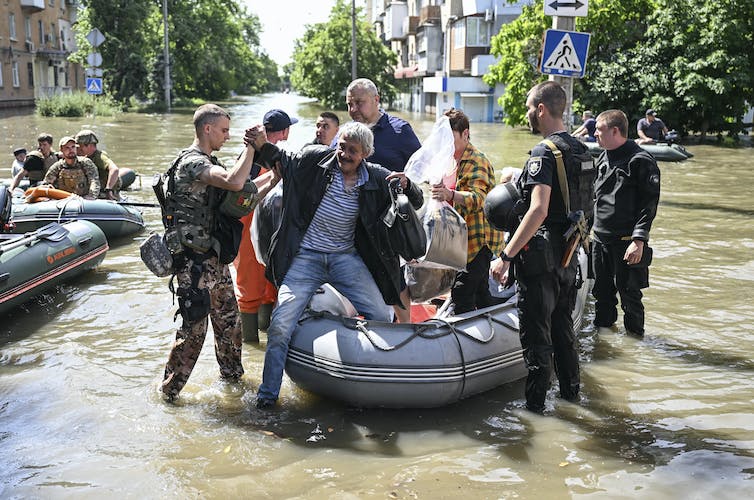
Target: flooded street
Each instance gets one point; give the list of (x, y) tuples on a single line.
[(669, 416)]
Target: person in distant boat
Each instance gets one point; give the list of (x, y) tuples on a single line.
[(255, 294), (394, 143), (72, 173), (86, 144), (546, 282), (327, 125), (585, 132), (19, 157), (331, 232), (627, 191), (650, 129), (204, 285), (466, 191)]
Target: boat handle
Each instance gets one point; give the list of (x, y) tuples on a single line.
[(84, 242), (4, 276)]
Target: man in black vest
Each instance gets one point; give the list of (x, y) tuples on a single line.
[(546, 289), (627, 193)]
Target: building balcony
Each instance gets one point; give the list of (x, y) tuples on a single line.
[(33, 5), (409, 25), (429, 14)]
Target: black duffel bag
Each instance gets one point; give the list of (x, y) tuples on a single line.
[(404, 229)]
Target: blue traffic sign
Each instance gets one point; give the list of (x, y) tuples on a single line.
[(564, 53), (94, 85)]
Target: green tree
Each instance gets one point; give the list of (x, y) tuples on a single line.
[(322, 62)]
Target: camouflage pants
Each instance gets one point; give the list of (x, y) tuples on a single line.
[(213, 277)]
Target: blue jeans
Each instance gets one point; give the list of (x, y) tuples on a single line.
[(310, 270)]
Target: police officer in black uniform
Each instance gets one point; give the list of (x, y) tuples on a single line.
[(546, 289), (627, 192)]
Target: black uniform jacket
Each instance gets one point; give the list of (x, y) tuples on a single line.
[(627, 191), (306, 176)]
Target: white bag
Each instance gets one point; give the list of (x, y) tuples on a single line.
[(434, 158)]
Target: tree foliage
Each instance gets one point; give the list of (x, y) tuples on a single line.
[(214, 48), (322, 62), (691, 60)]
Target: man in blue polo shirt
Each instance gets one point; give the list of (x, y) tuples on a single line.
[(394, 143)]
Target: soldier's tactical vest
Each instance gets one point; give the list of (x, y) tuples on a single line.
[(74, 180)]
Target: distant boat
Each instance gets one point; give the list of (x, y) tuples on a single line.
[(661, 151), (114, 219)]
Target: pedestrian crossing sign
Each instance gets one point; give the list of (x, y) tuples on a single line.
[(564, 53), (94, 85)]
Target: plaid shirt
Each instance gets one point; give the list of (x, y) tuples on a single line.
[(475, 178)]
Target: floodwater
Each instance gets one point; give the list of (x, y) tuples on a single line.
[(669, 416)]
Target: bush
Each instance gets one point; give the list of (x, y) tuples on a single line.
[(77, 104)]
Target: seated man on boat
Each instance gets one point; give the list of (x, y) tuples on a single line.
[(331, 232), (585, 132), (109, 179), (72, 173), (650, 129)]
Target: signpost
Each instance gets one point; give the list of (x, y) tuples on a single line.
[(564, 50), (94, 60)]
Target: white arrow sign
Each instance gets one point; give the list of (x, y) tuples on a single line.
[(566, 8), (95, 37)]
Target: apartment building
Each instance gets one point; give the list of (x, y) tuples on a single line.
[(443, 49), (36, 38)]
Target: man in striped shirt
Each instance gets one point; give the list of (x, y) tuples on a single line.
[(331, 232)]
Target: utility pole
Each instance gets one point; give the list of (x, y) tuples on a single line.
[(166, 53), (353, 40)]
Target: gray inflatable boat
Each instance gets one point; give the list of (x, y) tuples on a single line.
[(419, 365)]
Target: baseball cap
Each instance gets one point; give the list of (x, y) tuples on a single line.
[(18, 151), (65, 140), (86, 136), (650, 112), (276, 120)]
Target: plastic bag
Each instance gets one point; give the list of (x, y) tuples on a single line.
[(435, 157), (425, 283), (264, 223), (447, 237)]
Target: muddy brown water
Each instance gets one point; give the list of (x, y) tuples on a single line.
[(669, 416)]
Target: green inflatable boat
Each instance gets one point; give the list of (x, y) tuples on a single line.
[(661, 151)]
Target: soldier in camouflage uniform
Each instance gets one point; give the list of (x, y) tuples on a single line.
[(109, 173), (205, 287), (75, 174)]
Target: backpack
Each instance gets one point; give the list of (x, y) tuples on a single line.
[(576, 175)]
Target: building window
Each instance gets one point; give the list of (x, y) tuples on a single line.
[(1, 75), (41, 33), (12, 25), (30, 70), (14, 70), (27, 28), (477, 32), (459, 34)]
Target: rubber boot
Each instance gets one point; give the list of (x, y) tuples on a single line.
[(265, 312), (250, 327)]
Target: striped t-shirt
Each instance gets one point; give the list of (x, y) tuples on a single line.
[(334, 224)]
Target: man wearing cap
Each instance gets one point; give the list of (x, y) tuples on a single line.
[(72, 173), (19, 156), (255, 294), (86, 145), (650, 128)]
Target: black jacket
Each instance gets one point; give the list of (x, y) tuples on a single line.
[(627, 191), (306, 176)]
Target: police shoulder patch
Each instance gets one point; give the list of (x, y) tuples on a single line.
[(534, 165)]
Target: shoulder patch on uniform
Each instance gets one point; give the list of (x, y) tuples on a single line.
[(654, 179), (534, 165)]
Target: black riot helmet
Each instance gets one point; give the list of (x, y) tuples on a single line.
[(504, 206)]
